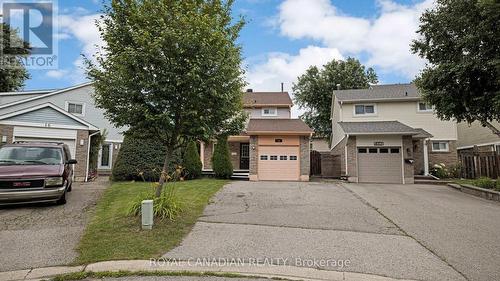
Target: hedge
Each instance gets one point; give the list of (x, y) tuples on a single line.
[(221, 160)]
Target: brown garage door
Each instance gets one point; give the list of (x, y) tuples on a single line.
[(279, 163), (379, 165)]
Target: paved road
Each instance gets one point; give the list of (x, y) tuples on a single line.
[(409, 232), (45, 234)]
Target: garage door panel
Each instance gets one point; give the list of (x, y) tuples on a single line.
[(380, 167), (71, 143), (279, 169)]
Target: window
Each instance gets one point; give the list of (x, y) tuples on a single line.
[(263, 157), (394, 150), (372, 150), (424, 107), (362, 150), (283, 157), (384, 150), (364, 109), (75, 108), (274, 157), (105, 155), (270, 111), (293, 157), (440, 146)]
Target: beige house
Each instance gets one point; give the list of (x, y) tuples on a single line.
[(475, 135), (273, 146), (387, 134)]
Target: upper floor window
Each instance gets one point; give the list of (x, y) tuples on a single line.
[(75, 108), (424, 107), (364, 109), (440, 146), (269, 111)]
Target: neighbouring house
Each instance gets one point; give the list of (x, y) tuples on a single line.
[(475, 136), (387, 134), (68, 115), (273, 146)]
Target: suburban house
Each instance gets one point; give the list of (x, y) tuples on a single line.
[(387, 134), (475, 136), (68, 115), (273, 146)]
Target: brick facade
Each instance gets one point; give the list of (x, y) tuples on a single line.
[(254, 152), (234, 151), (208, 151), (352, 159), (408, 154), (449, 158), (81, 154), (418, 156), (304, 158), (8, 131)]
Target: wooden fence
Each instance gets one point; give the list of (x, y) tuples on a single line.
[(324, 164), (315, 163), (480, 164)]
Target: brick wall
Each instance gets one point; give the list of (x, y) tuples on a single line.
[(254, 147), (352, 160), (408, 153), (304, 158), (234, 152), (418, 156), (448, 158), (207, 155), (81, 155), (6, 130)]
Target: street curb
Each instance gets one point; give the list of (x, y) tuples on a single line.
[(266, 271)]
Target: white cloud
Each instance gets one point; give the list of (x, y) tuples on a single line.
[(282, 67), (385, 38), (57, 74), (84, 29)]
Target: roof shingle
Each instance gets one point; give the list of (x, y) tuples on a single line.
[(377, 127), (267, 98), (379, 92), (278, 126)]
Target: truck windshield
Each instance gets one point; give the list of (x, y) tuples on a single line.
[(30, 155)]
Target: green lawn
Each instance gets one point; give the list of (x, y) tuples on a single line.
[(112, 235)]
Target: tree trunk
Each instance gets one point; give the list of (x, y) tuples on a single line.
[(164, 171), (492, 128)]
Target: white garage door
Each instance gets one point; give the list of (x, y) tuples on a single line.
[(279, 163), (71, 143), (47, 135), (380, 165)]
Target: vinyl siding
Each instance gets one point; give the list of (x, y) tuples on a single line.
[(45, 115), (475, 134), (256, 113), (338, 133)]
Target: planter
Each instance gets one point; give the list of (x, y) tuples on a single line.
[(477, 191)]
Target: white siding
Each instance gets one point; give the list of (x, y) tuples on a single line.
[(338, 133), (256, 113), (388, 140)]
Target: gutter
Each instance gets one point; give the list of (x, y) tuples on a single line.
[(88, 155)]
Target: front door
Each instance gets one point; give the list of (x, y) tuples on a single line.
[(244, 156)]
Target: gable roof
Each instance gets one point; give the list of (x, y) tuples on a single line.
[(267, 99), (44, 95), (33, 92), (50, 112), (392, 92), (378, 127), (281, 126)]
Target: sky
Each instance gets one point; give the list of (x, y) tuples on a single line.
[(280, 41)]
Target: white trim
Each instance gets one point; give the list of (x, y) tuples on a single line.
[(88, 155), (83, 104), (426, 157), (447, 149), (269, 108), (482, 144), (119, 141), (403, 161), (202, 153), (423, 111), (48, 104), (375, 112), (110, 160), (43, 125), (44, 96), (345, 156), (26, 92)]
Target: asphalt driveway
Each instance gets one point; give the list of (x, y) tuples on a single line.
[(400, 231), (45, 234)]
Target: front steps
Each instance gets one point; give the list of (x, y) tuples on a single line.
[(237, 174)]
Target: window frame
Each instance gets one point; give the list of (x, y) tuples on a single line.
[(427, 110), (447, 146), (269, 114), (67, 104), (364, 109), (264, 158), (295, 157)]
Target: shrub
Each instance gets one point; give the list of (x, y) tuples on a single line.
[(192, 162), (141, 158), (485, 183), (221, 160), (455, 171), (439, 170)]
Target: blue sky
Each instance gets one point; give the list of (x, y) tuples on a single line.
[(281, 39)]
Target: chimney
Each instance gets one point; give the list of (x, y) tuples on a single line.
[(282, 87), (249, 90)]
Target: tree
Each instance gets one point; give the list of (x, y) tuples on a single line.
[(461, 41), (170, 70), (221, 159), (314, 89), (12, 50), (192, 161)]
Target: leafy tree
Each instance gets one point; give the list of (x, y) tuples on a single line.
[(170, 70), (221, 159), (461, 41), (313, 90), (12, 50), (192, 162)]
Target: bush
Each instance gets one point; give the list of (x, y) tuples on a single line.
[(439, 170), (221, 160), (167, 206), (192, 162), (141, 158), (486, 183)]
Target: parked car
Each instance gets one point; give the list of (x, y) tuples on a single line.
[(35, 172)]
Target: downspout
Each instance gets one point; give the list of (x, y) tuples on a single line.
[(426, 157), (345, 155), (88, 155)]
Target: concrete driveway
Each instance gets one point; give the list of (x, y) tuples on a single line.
[(44, 234), (400, 231)]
